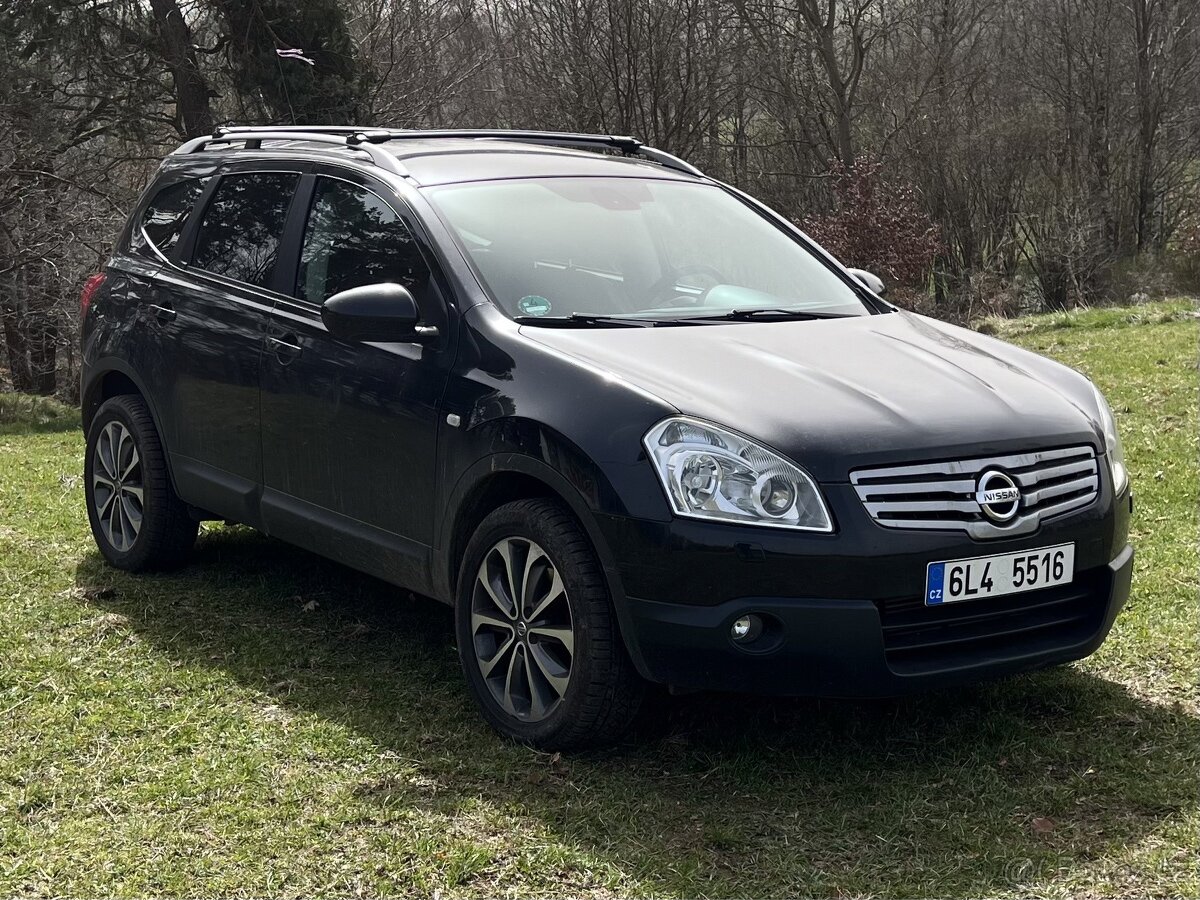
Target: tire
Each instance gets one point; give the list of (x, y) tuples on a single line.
[(573, 685), (123, 449)]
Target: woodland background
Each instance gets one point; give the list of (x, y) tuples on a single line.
[(983, 156)]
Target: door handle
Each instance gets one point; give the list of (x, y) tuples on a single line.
[(162, 313), (283, 349)]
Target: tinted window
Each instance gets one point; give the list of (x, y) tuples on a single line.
[(352, 238), (162, 221), (242, 226)]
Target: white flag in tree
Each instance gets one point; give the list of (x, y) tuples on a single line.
[(294, 54)]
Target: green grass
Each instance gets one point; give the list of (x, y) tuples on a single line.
[(22, 412), (266, 723), (1162, 313)]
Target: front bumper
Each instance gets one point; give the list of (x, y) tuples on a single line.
[(864, 648), (864, 630)]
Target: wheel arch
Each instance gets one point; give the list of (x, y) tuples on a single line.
[(113, 378), (502, 478)]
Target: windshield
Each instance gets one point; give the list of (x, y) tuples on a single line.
[(559, 247)]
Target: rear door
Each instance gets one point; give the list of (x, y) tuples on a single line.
[(212, 310), (133, 328), (349, 429)]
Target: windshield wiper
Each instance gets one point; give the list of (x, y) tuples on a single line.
[(585, 320), (575, 320), (760, 312)]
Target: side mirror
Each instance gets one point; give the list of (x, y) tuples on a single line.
[(869, 280), (376, 312)]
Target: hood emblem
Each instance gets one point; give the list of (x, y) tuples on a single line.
[(997, 495)]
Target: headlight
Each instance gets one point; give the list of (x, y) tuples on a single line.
[(1112, 443), (711, 473)]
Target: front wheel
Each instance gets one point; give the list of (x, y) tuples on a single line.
[(537, 635), (137, 520)]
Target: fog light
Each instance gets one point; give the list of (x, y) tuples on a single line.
[(746, 628)]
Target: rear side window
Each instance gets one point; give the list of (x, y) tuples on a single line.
[(243, 224), (353, 238), (162, 220)]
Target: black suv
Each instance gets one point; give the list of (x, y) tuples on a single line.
[(632, 424)]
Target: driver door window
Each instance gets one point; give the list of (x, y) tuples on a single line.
[(353, 238), (327, 398)]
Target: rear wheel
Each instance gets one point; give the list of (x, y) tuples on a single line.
[(137, 520), (537, 634)]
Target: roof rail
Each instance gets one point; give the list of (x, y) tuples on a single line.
[(365, 139), (321, 129), (254, 136), (627, 146)]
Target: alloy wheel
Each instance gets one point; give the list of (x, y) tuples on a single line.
[(117, 487), (522, 629)]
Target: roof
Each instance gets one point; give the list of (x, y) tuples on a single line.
[(443, 157)]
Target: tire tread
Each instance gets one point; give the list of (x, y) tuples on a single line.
[(168, 528), (614, 689)]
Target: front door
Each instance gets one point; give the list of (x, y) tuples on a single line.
[(349, 430)]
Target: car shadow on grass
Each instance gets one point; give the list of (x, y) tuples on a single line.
[(983, 790)]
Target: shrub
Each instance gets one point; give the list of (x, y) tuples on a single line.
[(1070, 257), (877, 224), (1186, 250)]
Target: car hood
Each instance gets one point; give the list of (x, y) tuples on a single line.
[(838, 394)]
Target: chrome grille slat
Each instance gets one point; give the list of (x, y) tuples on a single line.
[(911, 506), (1029, 479), (1035, 498), (961, 486), (972, 466), (937, 524), (1066, 506), (937, 496)]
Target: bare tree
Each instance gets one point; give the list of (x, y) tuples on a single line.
[(194, 116), (816, 53), (1166, 84), (1052, 143)]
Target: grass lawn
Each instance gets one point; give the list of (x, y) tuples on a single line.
[(266, 723)]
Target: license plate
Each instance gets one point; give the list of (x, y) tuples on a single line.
[(993, 576)]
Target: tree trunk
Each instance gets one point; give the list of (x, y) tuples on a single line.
[(191, 91), (1148, 121), (18, 349), (838, 89), (43, 358)]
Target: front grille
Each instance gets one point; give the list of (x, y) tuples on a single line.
[(941, 495), (919, 638)]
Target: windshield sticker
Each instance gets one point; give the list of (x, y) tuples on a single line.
[(533, 305)]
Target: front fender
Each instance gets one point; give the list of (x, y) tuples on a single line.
[(540, 454), (523, 447)]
